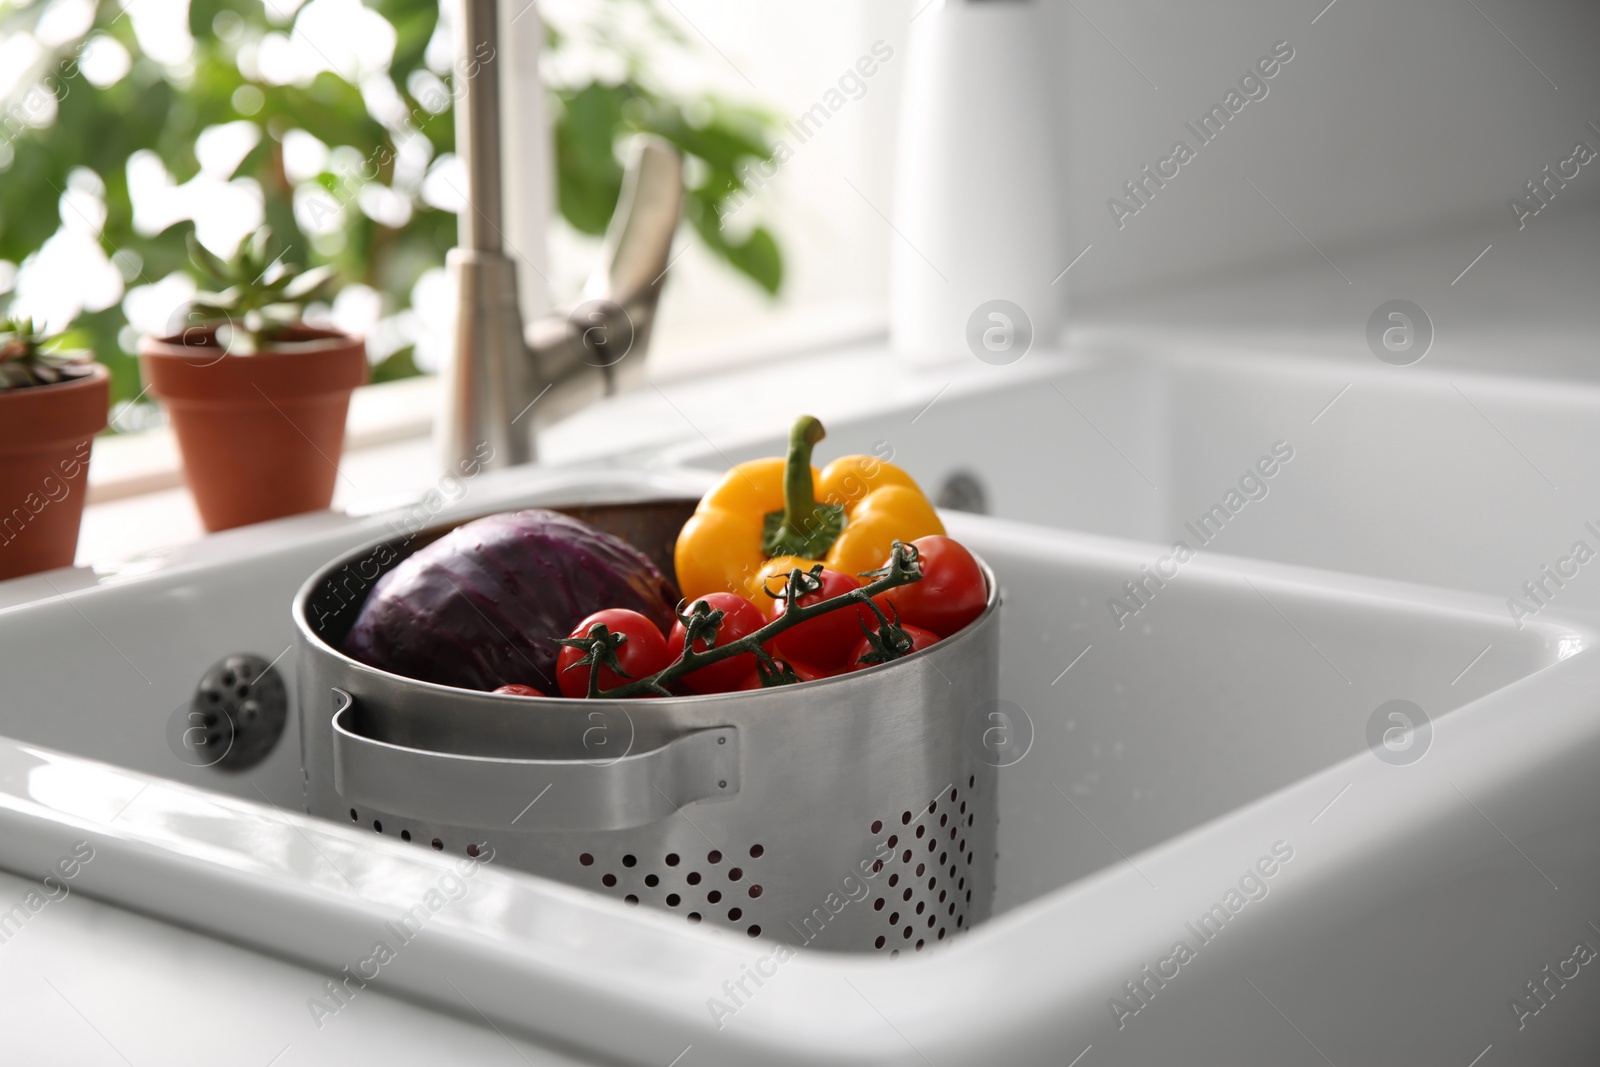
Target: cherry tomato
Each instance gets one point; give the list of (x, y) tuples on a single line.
[(644, 652), (520, 690), (950, 595), (826, 640), (806, 672), (740, 617), (920, 639)]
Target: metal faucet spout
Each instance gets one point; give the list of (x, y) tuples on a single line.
[(504, 381)]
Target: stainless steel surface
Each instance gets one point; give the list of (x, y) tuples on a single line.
[(635, 789), (864, 818), (503, 381)]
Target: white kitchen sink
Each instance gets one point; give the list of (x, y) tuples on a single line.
[(1414, 887)]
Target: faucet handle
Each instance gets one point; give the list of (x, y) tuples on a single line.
[(638, 243), (590, 350)]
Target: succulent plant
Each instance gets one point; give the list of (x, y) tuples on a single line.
[(24, 361), (254, 296)]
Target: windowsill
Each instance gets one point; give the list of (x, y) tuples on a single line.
[(136, 464), (139, 507)]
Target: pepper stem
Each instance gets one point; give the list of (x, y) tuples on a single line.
[(804, 527), (799, 495)]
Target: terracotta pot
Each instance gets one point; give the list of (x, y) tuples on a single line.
[(46, 433), (260, 435)]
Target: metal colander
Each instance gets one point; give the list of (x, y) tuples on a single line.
[(848, 814)]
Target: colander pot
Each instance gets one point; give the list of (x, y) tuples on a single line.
[(852, 813)]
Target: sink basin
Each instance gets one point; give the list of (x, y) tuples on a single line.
[(1451, 478), (1221, 768)]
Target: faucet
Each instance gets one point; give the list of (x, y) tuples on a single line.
[(504, 380)]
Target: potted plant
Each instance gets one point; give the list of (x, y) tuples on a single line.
[(256, 396), (52, 403)]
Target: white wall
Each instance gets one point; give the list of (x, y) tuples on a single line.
[(1392, 119)]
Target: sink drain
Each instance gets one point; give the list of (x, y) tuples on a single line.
[(236, 717), (962, 491)]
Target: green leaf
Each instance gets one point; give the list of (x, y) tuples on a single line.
[(206, 261)]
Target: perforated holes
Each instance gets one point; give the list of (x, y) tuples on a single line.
[(693, 916), (472, 850), (353, 816), (630, 899), (672, 859), (438, 846), (877, 905), (378, 826), (693, 878), (756, 851), (673, 900), (735, 914), (877, 826), (755, 891), (878, 943), (931, 902), (651, 881), (629, 861), (405, 835), (608, 880), (905, 818), (586, 859), (714, 897), (754, 931), (714, 856), (734, 874)]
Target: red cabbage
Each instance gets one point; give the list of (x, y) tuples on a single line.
[(484, 605)]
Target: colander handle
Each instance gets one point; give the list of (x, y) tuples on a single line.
[(521, 794)]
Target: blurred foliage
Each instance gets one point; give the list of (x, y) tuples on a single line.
[(164, 108)]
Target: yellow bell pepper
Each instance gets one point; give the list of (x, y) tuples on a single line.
[(768, 516)]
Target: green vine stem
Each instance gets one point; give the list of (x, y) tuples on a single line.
[(701, 621)]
